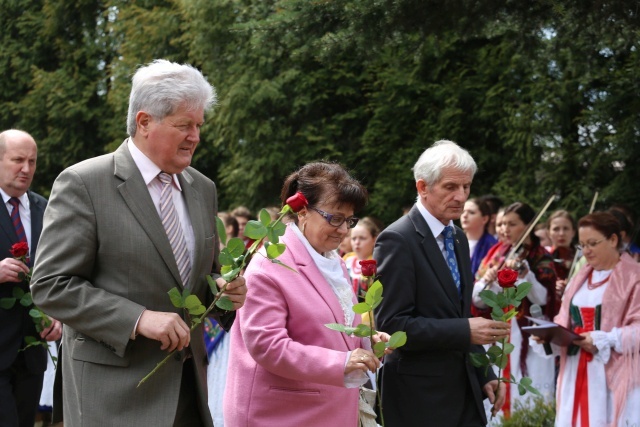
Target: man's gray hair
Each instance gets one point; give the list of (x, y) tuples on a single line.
[(440, 155), (161, 87)]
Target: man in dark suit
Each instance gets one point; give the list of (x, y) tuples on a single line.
[(424, 265), (21, 372), (121, 230)]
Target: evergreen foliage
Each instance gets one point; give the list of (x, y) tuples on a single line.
[(544, 95)]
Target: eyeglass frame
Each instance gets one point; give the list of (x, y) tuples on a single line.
[(352, 221), (589, 245)]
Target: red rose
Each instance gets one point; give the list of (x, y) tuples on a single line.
[(507, 278), (20, 250), (297, 202), (368, 267)]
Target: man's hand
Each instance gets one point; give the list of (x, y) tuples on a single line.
[(168, 328), (10, 269), (485, 331), (236, 291), (53, 332), (496, 392)]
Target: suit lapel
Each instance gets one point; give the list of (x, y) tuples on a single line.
[(37, 208), (307, 268), (6, 225), (434, 257), (137, 198)]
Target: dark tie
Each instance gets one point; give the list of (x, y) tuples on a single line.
[(447, 233), (172, 226), (15, 218)]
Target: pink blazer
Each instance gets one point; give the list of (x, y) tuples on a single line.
[(285, 367)]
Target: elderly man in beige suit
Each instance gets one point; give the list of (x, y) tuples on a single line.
[(119, 232)]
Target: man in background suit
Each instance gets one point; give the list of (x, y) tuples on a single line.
[(428, 295), (120, 231), (21, 372)]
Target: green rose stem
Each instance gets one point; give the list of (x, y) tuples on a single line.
[(259, 231)]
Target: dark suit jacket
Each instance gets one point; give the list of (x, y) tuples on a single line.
[(16, 323), (427, 381)]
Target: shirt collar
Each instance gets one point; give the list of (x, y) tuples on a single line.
[(24, 199), (148, 169), (434, 224)]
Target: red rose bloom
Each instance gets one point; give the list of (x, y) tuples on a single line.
[(297, 202), (19, 250), (507, 278), (368, 267)]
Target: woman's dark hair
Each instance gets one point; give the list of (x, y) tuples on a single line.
[(326, 182), (605, 222), (526, 214), (484, 207), (230, 220)]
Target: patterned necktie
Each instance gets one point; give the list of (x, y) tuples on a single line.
[(15, 218), (451, 256), (172, 226)]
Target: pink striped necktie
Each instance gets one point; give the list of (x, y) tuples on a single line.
[(172, 226)]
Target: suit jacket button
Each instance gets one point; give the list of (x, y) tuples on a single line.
[(178, 356)]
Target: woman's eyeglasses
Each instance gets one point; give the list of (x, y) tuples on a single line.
[(589, 245), (337, 220)]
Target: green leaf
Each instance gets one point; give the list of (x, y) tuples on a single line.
[(224, 303), (225, 258), (255, 230), (502, 363), (236, 247), (230, 275), (497, 313), (397, 339), (521, 390), (374, 293), (191, 302), (478, 360), (275, 231), (212, 284), (36, 313), (222, 232), (508, 348), (494, 351), (176, 298), (489, 298), (275, 250), (196, 311), (7, 303), (17, 292), (264, 217), (361, 308), (31, 340), (362, 331), (523, 290), (379, 348), (26, 299), (336, 327), (526, 384)]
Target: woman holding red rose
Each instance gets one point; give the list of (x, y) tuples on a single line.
[(287, 368), (534, 265), (599, 377)]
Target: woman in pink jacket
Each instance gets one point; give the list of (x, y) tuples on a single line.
[(286, 368)]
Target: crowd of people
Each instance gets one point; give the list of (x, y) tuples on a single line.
[(120, 230)]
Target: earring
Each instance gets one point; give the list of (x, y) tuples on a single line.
[(303, 227)]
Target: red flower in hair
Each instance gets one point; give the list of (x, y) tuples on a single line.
[(297, 202)]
